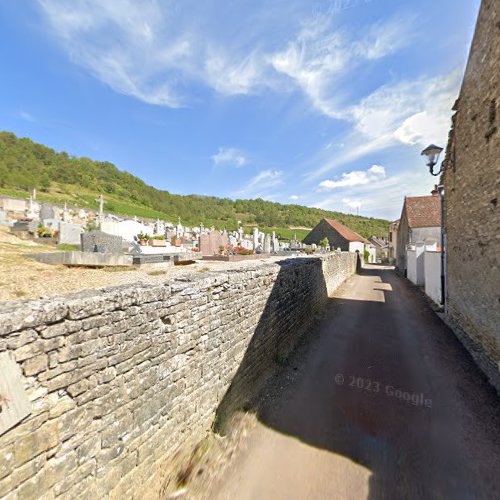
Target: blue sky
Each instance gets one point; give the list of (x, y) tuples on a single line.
[(323, 103)]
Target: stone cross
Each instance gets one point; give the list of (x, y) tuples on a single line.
[(101, 207), (65, 213)]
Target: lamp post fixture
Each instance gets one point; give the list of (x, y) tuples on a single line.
[(432, 153)]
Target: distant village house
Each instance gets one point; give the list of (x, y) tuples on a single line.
[(340, 236), (420, 223)]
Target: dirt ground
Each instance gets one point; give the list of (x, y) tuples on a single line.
[(23, 278)]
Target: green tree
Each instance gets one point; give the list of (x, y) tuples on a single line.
[(45, 182)]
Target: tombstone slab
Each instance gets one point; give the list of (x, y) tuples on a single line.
[(47, 212), (210, 243), (69, 234), (267, 244), (97, 241)]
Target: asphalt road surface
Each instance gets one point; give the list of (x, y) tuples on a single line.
[(385, 403)]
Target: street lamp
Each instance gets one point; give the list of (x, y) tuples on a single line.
[(432, 152)]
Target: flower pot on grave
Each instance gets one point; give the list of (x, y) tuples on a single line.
[(158, 243)]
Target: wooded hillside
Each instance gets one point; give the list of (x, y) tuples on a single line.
[(25, 165)]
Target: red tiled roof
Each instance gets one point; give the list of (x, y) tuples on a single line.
[(347, 233), (423, 211)]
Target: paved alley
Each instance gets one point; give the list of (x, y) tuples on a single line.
[(385, 404)]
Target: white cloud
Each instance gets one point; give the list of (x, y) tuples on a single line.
[(229, 77), (354, 204), (294, 197), (120, 42), (414, 113), (410, 112), (381, 199), (355, 178), (229, 156), (321, 56), (156, 51), (258, 185), (24, 115)]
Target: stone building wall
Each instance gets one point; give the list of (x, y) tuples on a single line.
[(472, 198), (119, 379), (324, 230)]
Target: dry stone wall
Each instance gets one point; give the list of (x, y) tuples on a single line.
[(118, 379)]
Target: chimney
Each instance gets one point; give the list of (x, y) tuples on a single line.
[(435, 191)]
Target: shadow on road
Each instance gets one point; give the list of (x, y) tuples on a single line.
[(381, 381)]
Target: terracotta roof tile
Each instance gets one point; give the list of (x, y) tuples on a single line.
[(423, 211), (347, 233)]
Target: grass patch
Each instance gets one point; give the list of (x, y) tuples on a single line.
[(64, 247), (156, 273)]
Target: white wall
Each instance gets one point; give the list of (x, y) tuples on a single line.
[(373, 255), (356, 245), (127, 229), (411, 265), (415, 271), (360, 246), (432, 266)]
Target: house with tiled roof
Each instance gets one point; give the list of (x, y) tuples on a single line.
[(381, 247), (340, 236), (420, 222)]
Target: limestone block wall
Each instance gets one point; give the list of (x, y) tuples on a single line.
[(120, 378), (472, 199)]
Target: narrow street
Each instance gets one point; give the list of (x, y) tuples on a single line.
[(385, 403)]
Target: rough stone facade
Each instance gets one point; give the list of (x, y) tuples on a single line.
[(120, 378), (472, 199)]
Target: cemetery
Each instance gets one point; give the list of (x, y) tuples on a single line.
[(46, 249), (99, 239)]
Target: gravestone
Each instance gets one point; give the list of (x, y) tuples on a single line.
[(47, 212), (210, 243), (69, 234), (267, 244), (97, 241), (24, 226)]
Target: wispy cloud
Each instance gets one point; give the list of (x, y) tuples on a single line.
[(408, 112), (230, 157), (153, 51), (397, 111), (24, 115), (355, 178), (260, 184), (320, 57), (380, 199), (353, 204)]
